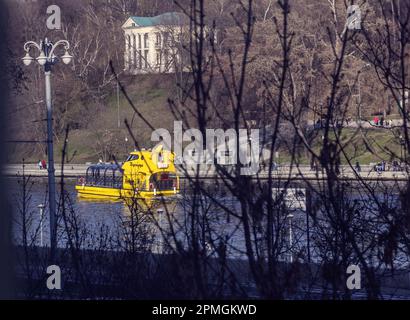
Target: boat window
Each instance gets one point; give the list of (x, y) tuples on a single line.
[(133, 157), (163, 181), (109, 176)]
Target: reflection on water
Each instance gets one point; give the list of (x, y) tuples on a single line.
[(111, 221), (107, 224), (91, 215), (112, 225)]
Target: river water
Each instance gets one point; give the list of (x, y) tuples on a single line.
[(103, 225), (106, 219)]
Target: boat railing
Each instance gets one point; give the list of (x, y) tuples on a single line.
[(109, 182)]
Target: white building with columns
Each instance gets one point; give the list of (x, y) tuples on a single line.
[(153, 44)]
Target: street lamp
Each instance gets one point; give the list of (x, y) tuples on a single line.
[(402, 144), (47, 58), (126, 146)]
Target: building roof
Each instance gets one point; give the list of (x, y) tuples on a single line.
[(169, 18)]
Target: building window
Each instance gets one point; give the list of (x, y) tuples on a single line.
[(146, 40), (167, 39), (166, 59), (158, 39), (139, 60), (139, 41), (146, 59), (158, 58)]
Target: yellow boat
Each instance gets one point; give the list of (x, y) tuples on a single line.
[(145, 174)]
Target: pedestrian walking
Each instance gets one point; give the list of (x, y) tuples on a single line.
[(357, 167), (395, 165), (44, 164)]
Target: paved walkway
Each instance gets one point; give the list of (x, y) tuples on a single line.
[(283, 172), (395, 123), (70, 170)]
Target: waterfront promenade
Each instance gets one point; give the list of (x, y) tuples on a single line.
[(283, 172)]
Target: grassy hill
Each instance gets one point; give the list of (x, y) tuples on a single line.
[(368, 146), (99, 136), (103, 137)]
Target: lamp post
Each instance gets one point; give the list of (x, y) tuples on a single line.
[(290, 217), (161, 243), (118, 105), (402, 144), (41, 207), (47, 58)]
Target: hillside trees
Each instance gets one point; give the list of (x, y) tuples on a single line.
[(93, 28)]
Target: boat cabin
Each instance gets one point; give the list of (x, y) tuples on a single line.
[(104, 175), (146, 173)]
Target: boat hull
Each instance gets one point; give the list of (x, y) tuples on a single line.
[(115, 194)]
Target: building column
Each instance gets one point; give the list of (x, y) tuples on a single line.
[(134, 51), (127, 53)]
